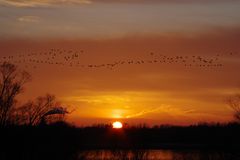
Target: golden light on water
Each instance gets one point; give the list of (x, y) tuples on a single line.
[(117, 125)]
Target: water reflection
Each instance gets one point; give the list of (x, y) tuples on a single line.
[(156, 155)]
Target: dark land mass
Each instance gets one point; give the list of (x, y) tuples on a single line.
[(61, 141)]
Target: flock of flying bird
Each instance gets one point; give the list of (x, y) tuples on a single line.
[(72, 58)]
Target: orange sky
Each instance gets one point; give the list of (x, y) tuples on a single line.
[(107, 32)]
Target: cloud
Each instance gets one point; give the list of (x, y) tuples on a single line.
[(48, 3), (163, 108), (143, 112), (162, 1), (31, 19), (41, 3)]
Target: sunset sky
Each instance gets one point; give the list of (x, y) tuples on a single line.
[(112, 30)]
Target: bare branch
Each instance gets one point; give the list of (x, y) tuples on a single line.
[(12, 81), (234, 103)]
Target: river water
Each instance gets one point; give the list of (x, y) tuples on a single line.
[(158, 155)]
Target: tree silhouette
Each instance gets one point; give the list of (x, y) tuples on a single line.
[(234, 103), (12, 81), (42, 110)]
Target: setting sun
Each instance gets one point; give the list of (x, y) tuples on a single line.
[(117, 125), (120, 79)]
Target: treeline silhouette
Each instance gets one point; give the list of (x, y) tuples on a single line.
[(63, 141)]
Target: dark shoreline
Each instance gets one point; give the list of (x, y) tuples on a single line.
[(63, 142), (104, 137)]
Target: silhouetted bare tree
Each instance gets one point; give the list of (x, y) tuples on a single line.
[(43, 109), (12, 81), (234, 103)]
